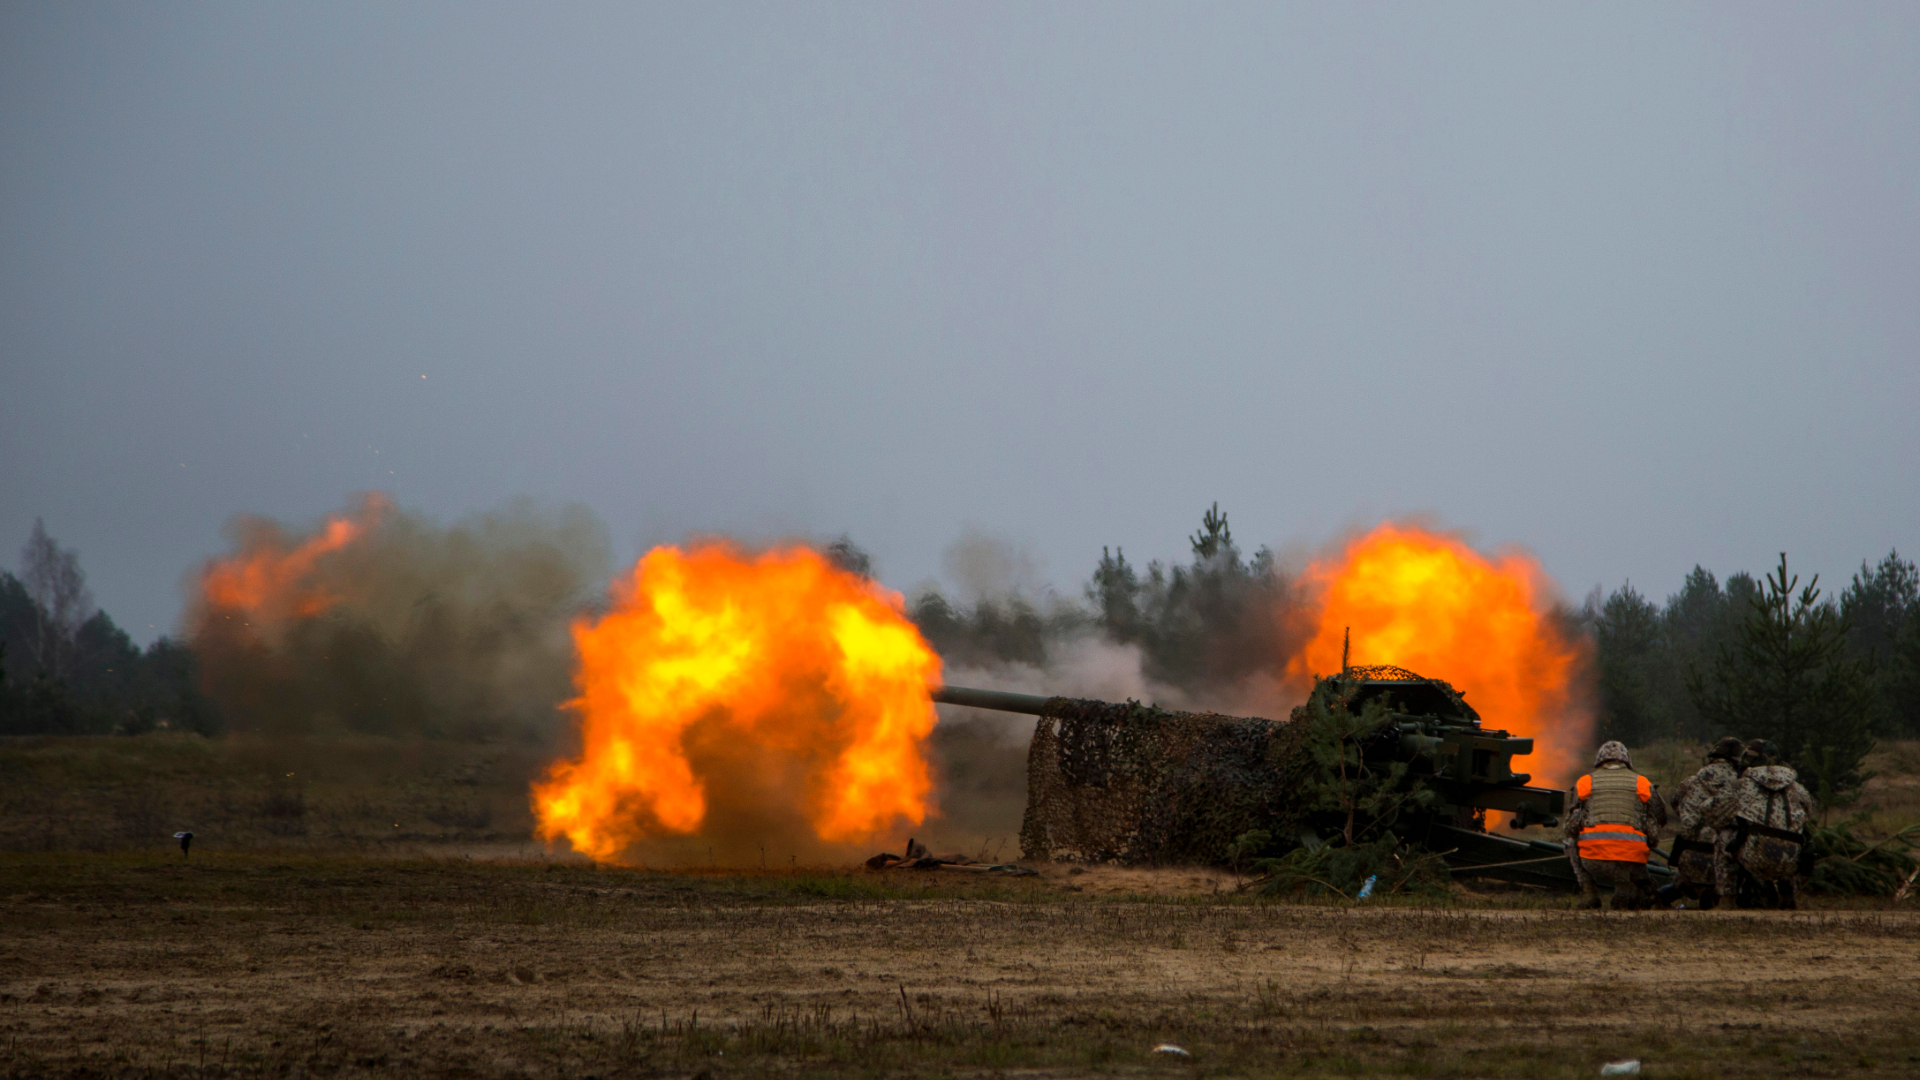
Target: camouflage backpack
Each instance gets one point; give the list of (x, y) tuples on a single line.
[(1772, 822)]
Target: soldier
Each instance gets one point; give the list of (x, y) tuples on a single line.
[(1763, 830), (1613, 821), (1692, 858)]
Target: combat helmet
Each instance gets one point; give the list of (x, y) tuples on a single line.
[(1728, 750), (1612, 751), (1760, 752)]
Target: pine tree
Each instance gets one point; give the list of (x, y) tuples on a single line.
[(1786, 676), (1627, 631), (1880, 604), (1364, 794), (1214, 538), (1115, 592), (1203, 624), (1900, 688)]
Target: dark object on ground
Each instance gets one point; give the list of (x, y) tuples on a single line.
[(1703, 897), (186, 840), (917, 858), (1133, 783)]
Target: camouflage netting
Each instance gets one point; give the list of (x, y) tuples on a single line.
[(1136, 784)]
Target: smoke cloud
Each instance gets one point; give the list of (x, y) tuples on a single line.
[(1212, 635), (385, 622), (1215, 634)]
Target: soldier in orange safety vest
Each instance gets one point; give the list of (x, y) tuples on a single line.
[(1613, 821)]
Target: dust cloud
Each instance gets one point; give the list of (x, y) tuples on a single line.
[(384, 622)]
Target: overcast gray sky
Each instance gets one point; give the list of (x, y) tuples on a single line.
[(1632, 285)]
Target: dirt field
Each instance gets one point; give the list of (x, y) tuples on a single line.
[(371, 907), (299, 964)]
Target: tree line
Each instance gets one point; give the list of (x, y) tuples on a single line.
[(67, 669), (1210, 621), (1821, 676)]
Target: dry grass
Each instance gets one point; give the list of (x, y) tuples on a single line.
[(369, 794), (296, 964), (308, 936), (333, 794), (1892, 797)]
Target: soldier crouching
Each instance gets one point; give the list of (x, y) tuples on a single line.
[(1762, 844), (1613, 822), (1695, 844)]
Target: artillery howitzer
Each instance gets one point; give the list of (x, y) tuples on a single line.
[(1135, 783)]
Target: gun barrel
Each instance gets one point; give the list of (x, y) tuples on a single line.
[(999, 700)]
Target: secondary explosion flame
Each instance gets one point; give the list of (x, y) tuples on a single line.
[(270, 580), (726, 695), (1428, 602)]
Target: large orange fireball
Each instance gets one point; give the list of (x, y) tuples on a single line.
[(1428, 602), (721, 679)]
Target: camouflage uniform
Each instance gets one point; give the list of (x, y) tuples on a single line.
[(1772, 798), (1610, 851), (1695, 872)]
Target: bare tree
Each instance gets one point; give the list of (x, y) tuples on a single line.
[(61, 601)]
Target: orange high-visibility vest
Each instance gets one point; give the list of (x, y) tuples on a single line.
[(1615, 799)]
